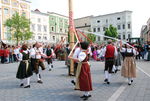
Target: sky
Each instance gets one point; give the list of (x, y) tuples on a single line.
[(82, 8)]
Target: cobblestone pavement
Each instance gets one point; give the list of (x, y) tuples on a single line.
[(57, 86)]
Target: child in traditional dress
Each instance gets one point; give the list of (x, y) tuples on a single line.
[(83, 76), (129, 65), (24, 69)]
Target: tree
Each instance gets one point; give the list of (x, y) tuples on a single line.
[(92, 37), (19, 28), (111, 32)]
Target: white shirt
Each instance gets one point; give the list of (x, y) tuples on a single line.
[(33, 52), (21, 55), (81, 56), (16, 51), (76, 52), (90, 51)]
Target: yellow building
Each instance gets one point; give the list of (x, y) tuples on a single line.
[(7, 9)]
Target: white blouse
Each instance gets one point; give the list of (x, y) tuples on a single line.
[(129, 50), (21, 55), (82, 56)]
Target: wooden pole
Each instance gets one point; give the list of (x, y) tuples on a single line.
[(71, 32)]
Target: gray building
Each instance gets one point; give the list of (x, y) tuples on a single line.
[(83, 24), (121, 20), (98, 24)]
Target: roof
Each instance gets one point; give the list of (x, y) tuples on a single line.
[(57, 14), (26, 1), (37, 11), (114, 13), (84, 17)]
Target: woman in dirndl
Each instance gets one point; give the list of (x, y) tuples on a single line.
[(24, 70), (83, 76), (129, 65)]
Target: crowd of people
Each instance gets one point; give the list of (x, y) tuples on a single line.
[(31, 58)]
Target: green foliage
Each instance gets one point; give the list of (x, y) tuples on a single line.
[(92, 37), (19, 28), (111, 32)]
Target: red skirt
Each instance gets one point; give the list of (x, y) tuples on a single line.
[(85, 81)]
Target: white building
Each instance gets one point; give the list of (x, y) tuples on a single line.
[(40, 26), (121, 20)]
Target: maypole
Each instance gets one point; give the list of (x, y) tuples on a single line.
[(72, 33)]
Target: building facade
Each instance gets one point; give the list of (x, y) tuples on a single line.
[(40, 26), (145, 31), (83, 24), (8, 8), (121, 20), (58, 26)]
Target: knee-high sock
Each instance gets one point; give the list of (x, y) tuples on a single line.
[(38, 76), (109, 77), (22, 81), (28, 81), (129, 80), (106, 74), (114, 68), (87, 93)]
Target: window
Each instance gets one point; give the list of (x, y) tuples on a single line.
[(33, 27), (119, 27), (23, 13), (45, 37), (129, 36), (52, 28), (99, 38), (123, 26), (98, 21), (98, 29), (5, 11), (23, 6), (39, 20), (124, 37), (60, 29), (39, 37), (45, 28), (129, 26), (53, 38), (106, 20), (104, 28), (6, 1), (118, 18), (65, 30), (15, 4), (39, 28), (119, 36), (94, 29)]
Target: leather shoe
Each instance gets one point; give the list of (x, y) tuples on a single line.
[(21, 85), (39, 81), (73, 82), (28, 86), (106, 80)]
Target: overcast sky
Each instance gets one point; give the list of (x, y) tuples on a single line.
[(140, 8)]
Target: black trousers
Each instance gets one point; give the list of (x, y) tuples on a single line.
[(109, 62)]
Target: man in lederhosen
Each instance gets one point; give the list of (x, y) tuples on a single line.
[(109, 52), (36, 54), (49, 53)]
